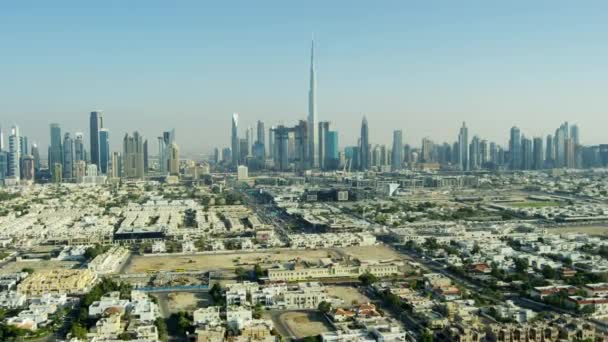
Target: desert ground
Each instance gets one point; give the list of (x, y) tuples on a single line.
[(304, 324), (350, 295)]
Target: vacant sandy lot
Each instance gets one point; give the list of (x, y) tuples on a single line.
[(17, 266), (304, 324), (186, 301), (206, 262), (350, 295), (591, 230), (379, 252)]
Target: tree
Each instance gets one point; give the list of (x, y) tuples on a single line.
[(79, 331), (258, 271), (241, 274), (28, 270), (324, 307), (367, 279), (426, 336)]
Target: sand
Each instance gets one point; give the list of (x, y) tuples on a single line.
[(350, 295), (304, 324)]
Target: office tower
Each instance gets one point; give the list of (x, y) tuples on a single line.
[(3, 166), (312, 112), (561, 134), (79, 147), (427, 150), (116, 165), (14, 154), (68, 157), (603, 151), (474, 155), (515, 149), (301, 145), (281, 147), (226, 155), (36, 155), (55, 150), (56, 173), (271, 142), (162, 167), (484, 152), (574, 134), (539, 160), (323, 129), (261, 138), (397, 152), (364, 146), (384, 156), (104, 150), (27, 168), (527, 158), (549, 152), (331, 150), (80, 169), (1, 140), (235, 142), (146, 160), (291, 145), (95, 124), (25, 147), (249, 137), (494, 153), (259, 156), (463, 147), (133, 156), (375, 155), (243, 144), (569, 153), (407, 154), (174, 159), (217, 155)]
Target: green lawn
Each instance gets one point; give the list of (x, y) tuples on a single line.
[(534, 204)]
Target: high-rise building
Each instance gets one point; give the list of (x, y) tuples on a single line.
[(463, 147), (146, 160), (539, 160), (332, 150), (133, 156), (55, 150), (570, 153), (575, 135), (95, 124), (301, 145), (312, 112), (27, 168), (281, 147), (549, 152), (68, 158), (515, 149), (3, 166), (174, 159), (116, 165), (561, 134), (261, 138), (603, 151), (57, 171), (397, 157), (271, 143), (79, 147), (36, 155), (323, 129), (249, 137), (427, 150), (235, 142), (80, 170), (104, 150), (364, 146), (527, 159), (474, 154), (24, 144), (14, 154), (1, 140)]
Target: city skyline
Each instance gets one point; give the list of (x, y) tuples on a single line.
[(491, 83)]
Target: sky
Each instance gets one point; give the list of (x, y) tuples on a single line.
[(420, 66)]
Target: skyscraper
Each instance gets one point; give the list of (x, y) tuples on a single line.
[(55, 150), (25, 146), (364, 148), (261, 136), (549, 152), (539, 161), (397, 157), (515, 149), (146, 161), (312, 111), (174, 159), (474, 154), (331, 150), (133, 156), (249, 137), (68, 157), (96, 123), (3, 165), (235, 140), (323, 129), (1, 139), (301, 144), (79, 147), (463, 147), (104, 150), (36, 156), (526, 154), (14, 154), (271, 142)]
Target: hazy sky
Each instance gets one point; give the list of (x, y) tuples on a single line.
[(422, 66)]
